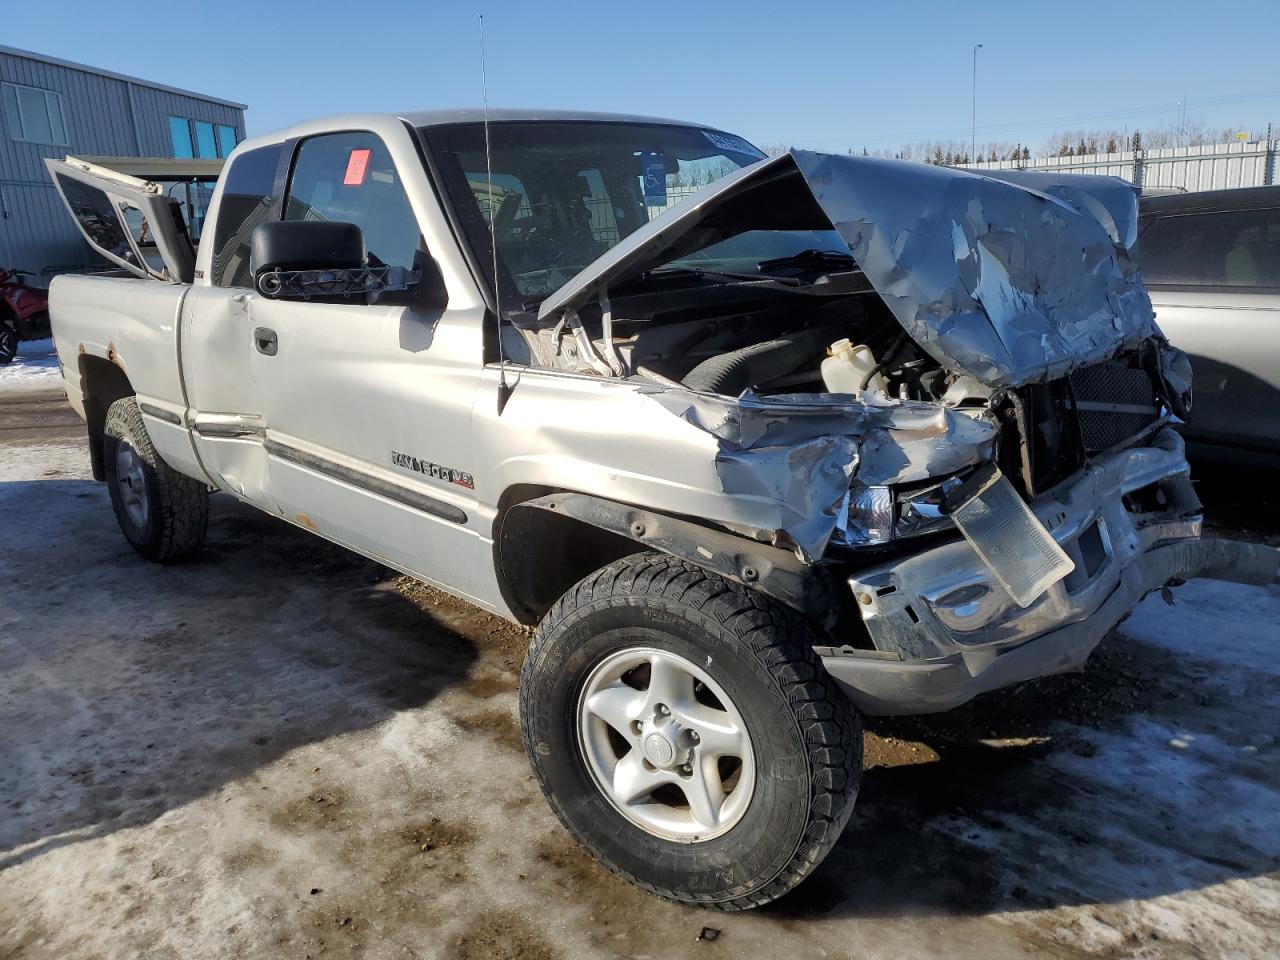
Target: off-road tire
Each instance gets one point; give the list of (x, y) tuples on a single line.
[(806, 736), (8, 340), (179, 506)]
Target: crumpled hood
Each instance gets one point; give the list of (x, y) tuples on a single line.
[(1008, 276)]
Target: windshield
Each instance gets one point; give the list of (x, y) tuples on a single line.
[(562, 193)]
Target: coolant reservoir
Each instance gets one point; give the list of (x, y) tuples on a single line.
[(848, 365)]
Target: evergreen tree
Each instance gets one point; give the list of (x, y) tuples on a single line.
[(1137, 141)]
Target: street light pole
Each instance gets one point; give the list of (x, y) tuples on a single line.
[(973, 110)]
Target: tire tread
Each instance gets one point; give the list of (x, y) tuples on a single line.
[(783, 641), (183, 502)]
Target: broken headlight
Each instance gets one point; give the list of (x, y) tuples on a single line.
[(868, 519), (920, 509), (877, 515)]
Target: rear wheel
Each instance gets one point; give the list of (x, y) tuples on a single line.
[(163, 514), (685, 733)]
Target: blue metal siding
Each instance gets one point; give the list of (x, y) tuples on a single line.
[(104, 116)]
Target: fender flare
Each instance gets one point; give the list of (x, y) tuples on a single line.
[(777, 573)]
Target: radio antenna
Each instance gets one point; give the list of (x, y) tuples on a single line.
[(504, 390)]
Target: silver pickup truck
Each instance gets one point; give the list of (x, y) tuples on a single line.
[(761, 445)]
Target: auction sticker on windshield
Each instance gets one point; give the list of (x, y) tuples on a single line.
[(726, 141)]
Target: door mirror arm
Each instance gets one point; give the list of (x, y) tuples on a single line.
[(366, 282), (326, 260)]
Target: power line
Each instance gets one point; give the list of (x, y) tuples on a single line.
[(989, 130)]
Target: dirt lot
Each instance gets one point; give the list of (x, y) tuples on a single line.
[(283, 750)]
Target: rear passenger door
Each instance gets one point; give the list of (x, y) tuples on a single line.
[(368, 405), (224, 400), (1214, 279)]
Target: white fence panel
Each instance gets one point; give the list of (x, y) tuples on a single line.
[(1212, 166)]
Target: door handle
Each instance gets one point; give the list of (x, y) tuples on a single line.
[(265, 341)]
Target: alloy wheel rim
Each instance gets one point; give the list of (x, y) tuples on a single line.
[(132, 484), (665, 745)]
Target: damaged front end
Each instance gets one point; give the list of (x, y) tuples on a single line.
[(958, 408)]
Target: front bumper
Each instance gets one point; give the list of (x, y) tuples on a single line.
[(944, 630)]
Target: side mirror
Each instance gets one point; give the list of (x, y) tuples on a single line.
[(306, 259)]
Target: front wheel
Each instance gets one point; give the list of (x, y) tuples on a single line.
[(685, 733)]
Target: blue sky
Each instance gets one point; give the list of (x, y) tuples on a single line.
[(824, 75)]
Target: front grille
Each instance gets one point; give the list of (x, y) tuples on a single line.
[(1113, 402), (1039, 440), (1048, 429)]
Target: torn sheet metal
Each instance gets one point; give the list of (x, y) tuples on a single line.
[(1010, 277), (800, 452)]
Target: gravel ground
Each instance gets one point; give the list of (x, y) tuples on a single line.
[(283, 750)]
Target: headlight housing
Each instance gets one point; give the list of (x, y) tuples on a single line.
[(879, 515), (920, 510), (868, 517)]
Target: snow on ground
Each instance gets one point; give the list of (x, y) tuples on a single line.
[(34, 367), (279, 749), (39, 461)]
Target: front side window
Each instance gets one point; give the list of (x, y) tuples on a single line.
[(350, 178), (248, 199), (34, 114), (563, 193), (1229, 248)]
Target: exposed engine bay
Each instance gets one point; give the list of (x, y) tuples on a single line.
[(776, 344), (781, 342)]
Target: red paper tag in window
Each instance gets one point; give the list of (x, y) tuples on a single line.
[(357, 167)]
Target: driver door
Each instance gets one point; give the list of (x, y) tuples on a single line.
[(368, 405)]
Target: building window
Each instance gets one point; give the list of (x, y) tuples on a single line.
[(34, 115), (206, 145), (200, 138), (180, 134), (226, 140)]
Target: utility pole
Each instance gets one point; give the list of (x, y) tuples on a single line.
[(973, 109)]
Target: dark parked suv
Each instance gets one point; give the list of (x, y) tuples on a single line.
[(1211, 261)]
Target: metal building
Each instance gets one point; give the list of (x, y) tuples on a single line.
[(51, 108)]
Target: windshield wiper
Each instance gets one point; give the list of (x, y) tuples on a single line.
[(715, 275), (808, 261)]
